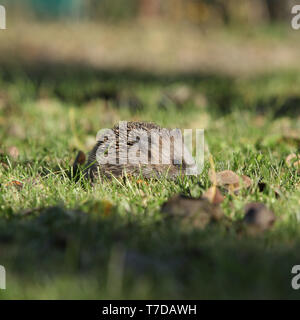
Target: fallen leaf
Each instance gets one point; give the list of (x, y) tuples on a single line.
[(213, 195), (230, 180), (247, 182), (258, 217), (223, 178), (293, 160), (13, 152), (15, 183), (140, 181), (192, 212)]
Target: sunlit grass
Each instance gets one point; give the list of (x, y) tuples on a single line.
[(65, 239)]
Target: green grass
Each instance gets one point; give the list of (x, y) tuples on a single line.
[(62, 239)]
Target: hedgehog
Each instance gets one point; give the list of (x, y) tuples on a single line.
[(143, 140)]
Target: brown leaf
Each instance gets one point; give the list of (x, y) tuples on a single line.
[(230, 180), (293, 160), (140, 182), (13, 152), (245, 182), (258, 217), (16, 184), (192, 212), (226, 177), (213, 195)]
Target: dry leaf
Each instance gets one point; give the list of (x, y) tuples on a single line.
[(258, 217), (192, 212), (13, 152), (140, 181), (293, 160), (213, 195), (15, 183), (230, 180), (224, 178), (247, 182)]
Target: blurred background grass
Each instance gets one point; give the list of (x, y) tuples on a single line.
[(232, 37), (192, 11)]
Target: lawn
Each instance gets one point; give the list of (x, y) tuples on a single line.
[(66, 239)]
